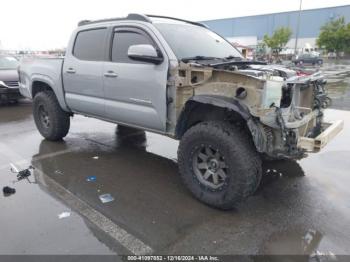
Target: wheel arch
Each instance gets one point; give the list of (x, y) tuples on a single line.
[(40, 84), (209, 107)]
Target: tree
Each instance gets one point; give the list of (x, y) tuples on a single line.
[(279, 39), (335, 36)]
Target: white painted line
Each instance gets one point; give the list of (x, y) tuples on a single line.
[(130, 242)]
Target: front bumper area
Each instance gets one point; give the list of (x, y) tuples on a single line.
[(10, 93), (316, 144)]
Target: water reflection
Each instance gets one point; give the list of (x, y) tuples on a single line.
[(130, 137)]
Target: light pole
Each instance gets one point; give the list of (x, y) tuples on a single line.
[(297, 31)]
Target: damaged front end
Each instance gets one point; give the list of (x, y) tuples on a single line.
[(285, 109), (293, 123)]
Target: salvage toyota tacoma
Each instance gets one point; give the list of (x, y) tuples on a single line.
[(178, 78)]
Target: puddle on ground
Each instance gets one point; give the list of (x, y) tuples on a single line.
[(299, 244), (339, 90), (293, 242)]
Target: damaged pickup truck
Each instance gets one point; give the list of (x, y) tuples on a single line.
[(179, 79)]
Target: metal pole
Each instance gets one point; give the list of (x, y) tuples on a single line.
[(297, 32)]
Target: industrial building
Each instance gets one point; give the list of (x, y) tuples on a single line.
[(250, 30)]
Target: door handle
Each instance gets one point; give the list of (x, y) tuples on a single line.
[(110, 74), (70, 71)]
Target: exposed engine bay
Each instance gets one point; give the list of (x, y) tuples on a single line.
[(282, 105)]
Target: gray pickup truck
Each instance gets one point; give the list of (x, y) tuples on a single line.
[(180, 79)]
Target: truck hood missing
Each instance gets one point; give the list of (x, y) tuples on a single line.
[(283, 104)]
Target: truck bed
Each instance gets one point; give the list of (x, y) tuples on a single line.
[(43, 69)]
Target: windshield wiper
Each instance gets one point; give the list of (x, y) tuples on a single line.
[(198, 57)]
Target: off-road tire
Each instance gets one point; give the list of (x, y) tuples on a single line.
[(59, 121), (244, 164)]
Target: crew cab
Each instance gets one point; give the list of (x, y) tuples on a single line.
[(180, 79)]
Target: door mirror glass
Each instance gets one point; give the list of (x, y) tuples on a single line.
[(145, 53)]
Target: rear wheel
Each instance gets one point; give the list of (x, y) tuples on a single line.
[(219, 164), (52, 122)]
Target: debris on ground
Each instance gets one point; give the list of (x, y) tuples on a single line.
[(105, 198), (22, 174), (64, 215), (95, 157), (91, 179), (58, 172), (8, 191)]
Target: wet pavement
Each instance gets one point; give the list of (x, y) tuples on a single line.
[(300, 207)]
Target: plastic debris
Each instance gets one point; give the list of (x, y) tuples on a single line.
[(22, 174), (105, 198), (58, 172), (64, 215), (8, 191), (95, 157), (91, 179)]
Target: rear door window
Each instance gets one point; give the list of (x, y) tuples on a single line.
[(89, 45)]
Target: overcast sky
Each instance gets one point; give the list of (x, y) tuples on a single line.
[(44, 24)]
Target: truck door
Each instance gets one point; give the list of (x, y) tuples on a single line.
[(82, 72), (135, 91)]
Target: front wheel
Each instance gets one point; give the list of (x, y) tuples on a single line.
[(52, 122), (219, 164)]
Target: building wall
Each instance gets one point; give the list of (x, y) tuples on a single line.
[(259, 25)]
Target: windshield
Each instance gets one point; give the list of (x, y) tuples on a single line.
[(8, 62), (194, 41)]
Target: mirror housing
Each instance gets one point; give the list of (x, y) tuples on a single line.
[(145, 53)]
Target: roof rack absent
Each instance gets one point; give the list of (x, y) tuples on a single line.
[(137, 17)]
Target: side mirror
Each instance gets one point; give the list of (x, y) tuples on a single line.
[(145, 53)]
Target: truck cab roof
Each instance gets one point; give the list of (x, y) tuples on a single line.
[(142, 18)]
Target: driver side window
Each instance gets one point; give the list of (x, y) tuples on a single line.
[(123, 39)]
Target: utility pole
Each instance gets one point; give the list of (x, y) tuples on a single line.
[(297, 31)]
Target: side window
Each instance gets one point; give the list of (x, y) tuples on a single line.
[(88, 45), (122, 40)]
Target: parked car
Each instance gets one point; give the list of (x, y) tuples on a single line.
[(9, 90), (179, 79), (332, 55), (308, 59)]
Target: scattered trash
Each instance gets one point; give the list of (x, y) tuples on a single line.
[(22, 174), (91, 179), (64, 215), (95, 157), (105, 198), (58, 172), (8, 191)]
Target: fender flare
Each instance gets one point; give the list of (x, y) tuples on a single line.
[(51, 83)]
